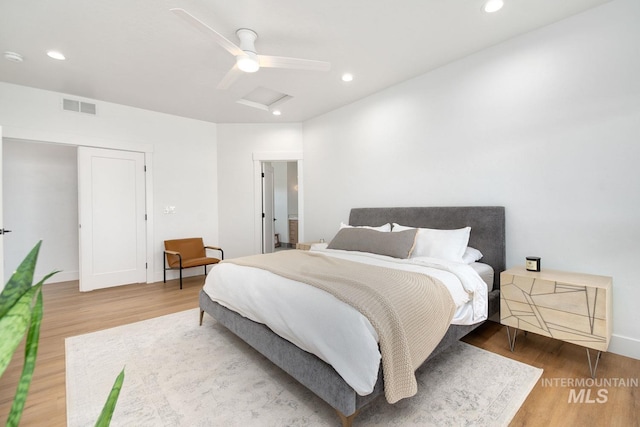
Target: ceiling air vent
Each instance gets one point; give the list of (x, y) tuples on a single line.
[(78, 106), (264, 99)]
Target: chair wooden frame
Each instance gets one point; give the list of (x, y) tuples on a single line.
[(187, 258)]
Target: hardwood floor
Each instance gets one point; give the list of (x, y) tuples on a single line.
[(69, 312), (549, 403)]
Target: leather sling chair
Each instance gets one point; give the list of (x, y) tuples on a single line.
[(187, 253)]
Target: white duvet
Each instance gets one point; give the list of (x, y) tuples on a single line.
[(321, 324)]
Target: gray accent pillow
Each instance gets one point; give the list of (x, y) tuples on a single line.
[(397, 245)]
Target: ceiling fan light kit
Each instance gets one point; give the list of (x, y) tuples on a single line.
[(248, 62)]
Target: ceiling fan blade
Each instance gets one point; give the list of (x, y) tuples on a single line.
[(268, 61), (229, 78), (207, 30)]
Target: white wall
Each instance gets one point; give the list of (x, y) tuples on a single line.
[(40, 202), (181, 155), (237, 144), (547, 125)]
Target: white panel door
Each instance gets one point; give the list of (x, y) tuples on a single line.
[(268, 244), (111, 200)]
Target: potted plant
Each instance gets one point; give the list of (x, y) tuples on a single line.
[(21, 313)]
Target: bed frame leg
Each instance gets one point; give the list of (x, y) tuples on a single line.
[(201, 316), (347, 421)]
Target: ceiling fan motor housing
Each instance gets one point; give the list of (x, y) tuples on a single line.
[(248, 62), (247, 39)]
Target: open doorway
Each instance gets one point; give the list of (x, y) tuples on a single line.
[(287, 213), (40, 202), (40, 199), (284, 211)]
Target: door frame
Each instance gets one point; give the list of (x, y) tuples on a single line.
[(268, 233), (32, 135), (274, 156)]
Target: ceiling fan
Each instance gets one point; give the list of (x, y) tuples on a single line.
[(247, 58)]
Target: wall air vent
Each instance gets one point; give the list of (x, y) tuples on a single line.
[(88, 108), (78, 106)]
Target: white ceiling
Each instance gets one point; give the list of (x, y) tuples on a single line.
[(140, 54)]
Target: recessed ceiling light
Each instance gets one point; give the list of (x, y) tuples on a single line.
[(56, 55), (276, 112), (12, 56), (347, 77), (493, 6)]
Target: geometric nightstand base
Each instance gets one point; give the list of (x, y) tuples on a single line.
[(592, 366), (592, 369), (512, 341)]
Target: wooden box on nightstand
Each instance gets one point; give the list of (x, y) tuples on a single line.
[(571, 307), (305, 246)]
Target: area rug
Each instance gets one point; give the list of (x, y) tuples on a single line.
[(180, 374)]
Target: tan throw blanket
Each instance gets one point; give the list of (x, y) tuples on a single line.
[(410, 311)]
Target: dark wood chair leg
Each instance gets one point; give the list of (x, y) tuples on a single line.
[(201, 316)]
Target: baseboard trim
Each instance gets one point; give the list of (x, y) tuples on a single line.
[(625, 346), (61, 276)]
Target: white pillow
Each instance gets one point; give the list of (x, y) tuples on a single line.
[(442, 244), (385, 228), (471, 255)]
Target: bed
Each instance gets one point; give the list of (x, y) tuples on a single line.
[(487, 235)]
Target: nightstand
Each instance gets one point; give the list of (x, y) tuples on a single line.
[(571, 307)]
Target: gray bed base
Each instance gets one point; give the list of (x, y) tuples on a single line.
[(487, 235)]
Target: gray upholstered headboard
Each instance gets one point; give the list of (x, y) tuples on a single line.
[(486, 222)]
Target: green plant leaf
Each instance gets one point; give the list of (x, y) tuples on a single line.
[(110, 405), (17, 314), (20, 281), (13, 325), (30, 354), (41, 282)]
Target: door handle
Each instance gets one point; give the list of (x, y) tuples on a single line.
[(4, 231)]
